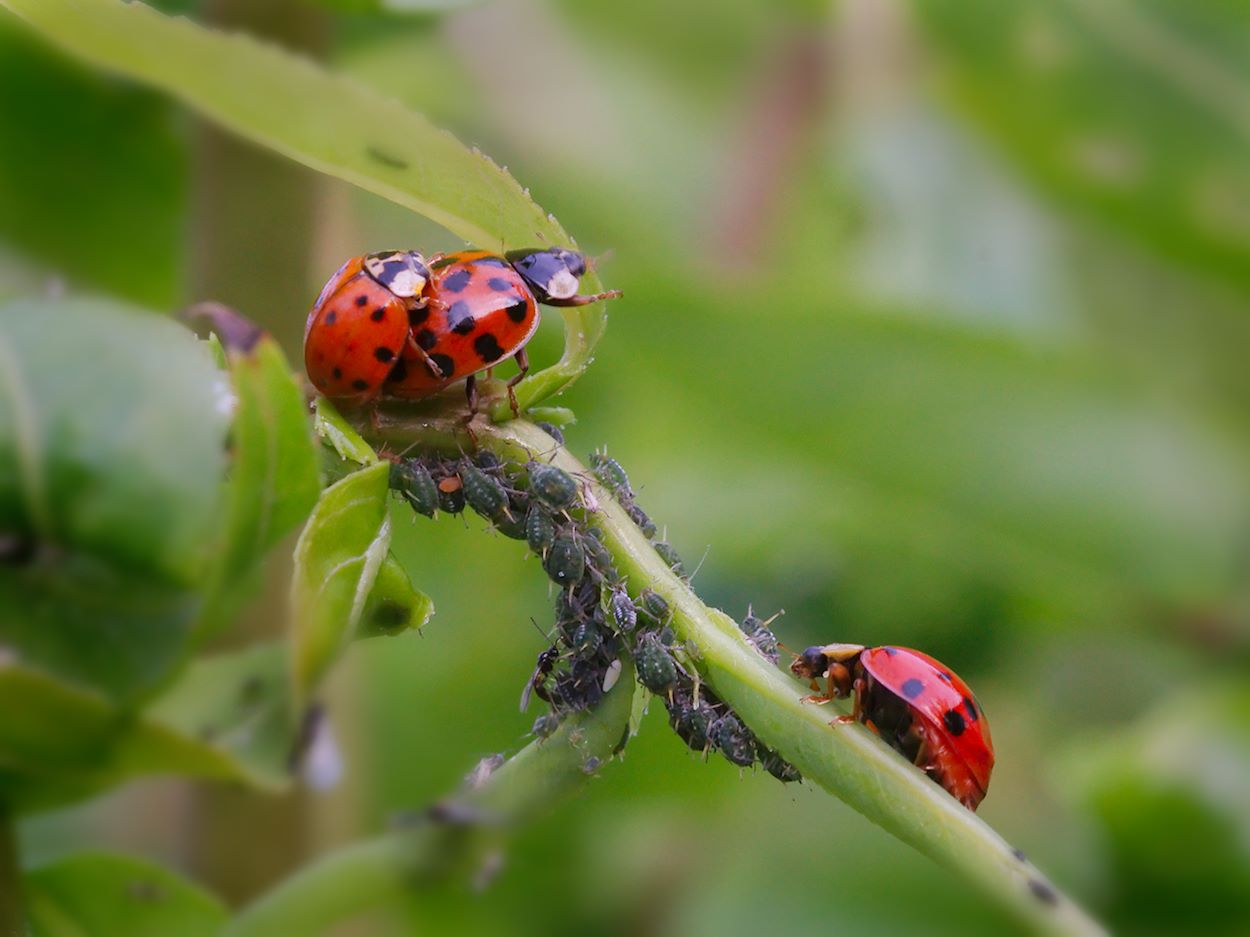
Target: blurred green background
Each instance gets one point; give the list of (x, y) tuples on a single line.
[(935, 333)]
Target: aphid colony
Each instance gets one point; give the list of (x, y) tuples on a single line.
[(596, 619)]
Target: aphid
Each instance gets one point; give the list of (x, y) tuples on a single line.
[(639, 517), (778, 767), (540, 530), (670, 556), (758, 633), (916, 704), (586, 638), (553, 431), (690, 720), (413, 482), (566, 561), (483, 493), (598, 557), (623, 611), (610, 473), (553, 486), (657, 670), (654, 608), (733, 740), (545, 725)]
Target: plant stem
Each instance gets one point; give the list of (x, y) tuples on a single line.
[(847, 760), (11, 916), (455, 839)]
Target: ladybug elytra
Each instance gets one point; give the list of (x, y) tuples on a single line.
[(915, 704)]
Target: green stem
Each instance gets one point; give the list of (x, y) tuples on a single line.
[(848, 761), (11, 917), (455, 839)]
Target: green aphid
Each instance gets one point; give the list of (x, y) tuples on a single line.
[(413, 482), (734, 740), (553, 486), (610, 473), (670, 556), (654, 608), (540, 529), (482, 492), (657, 670), (566, 560)]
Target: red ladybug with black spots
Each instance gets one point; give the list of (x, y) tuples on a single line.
[(916, 704), (481, 308), (359, 325)]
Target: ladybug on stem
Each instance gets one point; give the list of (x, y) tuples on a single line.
[(916, 704), (471, 310)]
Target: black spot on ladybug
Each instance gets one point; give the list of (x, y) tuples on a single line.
[(456, 281), (912, 687), (399, 372), (457, 314), (418, 315), (445, 365), (491, 262), (890, 651), (385, 355), (464, 326), (971, 708), (426, 339), (338, 374), (498, 284), (487, 347), (360, 385), (378, 314), (518, 311), (331, 317), (944, 676), (954, 722), (362, 300), (1043, 892)]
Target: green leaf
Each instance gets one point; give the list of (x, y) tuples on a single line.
[(337, 560), (1134, 113), (332, 125), (99, 893), (66, 211), (111, 456), (274, 473), (394, 605), (341, 435), (239, 706), (227, 717)]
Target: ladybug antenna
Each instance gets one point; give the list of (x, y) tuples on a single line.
[(593, 262)]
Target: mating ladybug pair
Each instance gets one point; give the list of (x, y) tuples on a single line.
[(916, 704), (394, 325)]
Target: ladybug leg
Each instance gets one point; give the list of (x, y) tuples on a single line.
[(425, 357), (470, 393), (522, 362), (583, 300)]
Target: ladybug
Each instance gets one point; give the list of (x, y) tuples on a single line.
[(916, 704), (359, 325), (479, 309)]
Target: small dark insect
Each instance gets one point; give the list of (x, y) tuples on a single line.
[(537, 683), (566, 561), (610, 473), (553, 431), (734, 740), (639, 517), (545, 725), (553, 486), (670, 556), (690, 720), (451, 494), (413, 482), (657, 670), (778, 767), (483, 493), (654, 609), (623, 611), (540, 530)]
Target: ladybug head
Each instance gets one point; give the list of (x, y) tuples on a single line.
[(811, 664), (551, 273), (404, 273)]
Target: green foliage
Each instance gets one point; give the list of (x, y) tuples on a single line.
[(274, 474), (96, 893), (68, 214), (120, 514), (1136, 112)]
